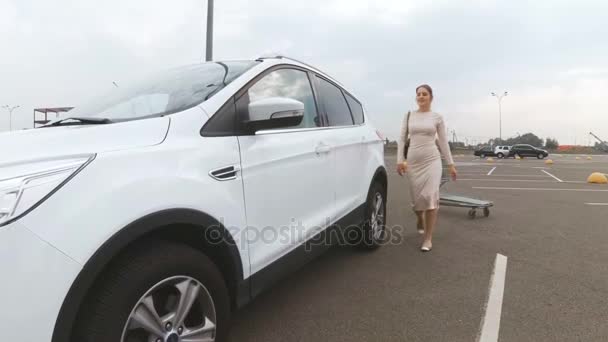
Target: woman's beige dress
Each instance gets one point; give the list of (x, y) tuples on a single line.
[(427, 132)]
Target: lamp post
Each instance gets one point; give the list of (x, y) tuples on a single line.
[(499, 97), (209, 50), (10, 115)]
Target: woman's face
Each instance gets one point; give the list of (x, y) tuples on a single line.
[(423, 97)]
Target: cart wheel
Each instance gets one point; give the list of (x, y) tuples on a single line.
[(472, 213), (486, 212)]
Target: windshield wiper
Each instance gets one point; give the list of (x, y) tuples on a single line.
[(79, 121)]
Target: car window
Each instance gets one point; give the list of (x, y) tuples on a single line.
[(289, 83), (338, 113), (356, 109)]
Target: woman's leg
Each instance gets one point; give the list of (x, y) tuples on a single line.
[(420, 221), (430, 220)]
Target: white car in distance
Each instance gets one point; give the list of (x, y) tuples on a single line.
[(502, 151)]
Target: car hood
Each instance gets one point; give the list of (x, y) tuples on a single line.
[(42, 143)]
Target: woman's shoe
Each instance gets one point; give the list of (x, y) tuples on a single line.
[(420, 229), (426, 247)]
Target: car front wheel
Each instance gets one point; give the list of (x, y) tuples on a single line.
[(160, 292), (500, 155), (372, 231), (540, 156)]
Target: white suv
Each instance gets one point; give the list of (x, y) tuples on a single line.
[(502, 151), (152, 213)]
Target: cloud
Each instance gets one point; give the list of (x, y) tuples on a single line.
[(551, 57), (567, 111)]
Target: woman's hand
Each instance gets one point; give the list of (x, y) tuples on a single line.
[(401, 168), (453, 172)]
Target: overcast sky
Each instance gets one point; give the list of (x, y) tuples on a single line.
[(551, 56)]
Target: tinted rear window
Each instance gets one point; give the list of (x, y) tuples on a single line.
[(334, 103), (356, 109)]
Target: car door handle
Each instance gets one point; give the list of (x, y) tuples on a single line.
[(322, 149)]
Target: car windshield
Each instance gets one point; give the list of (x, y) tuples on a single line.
[(165, 93)]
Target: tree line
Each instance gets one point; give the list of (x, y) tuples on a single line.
[(528, 138)]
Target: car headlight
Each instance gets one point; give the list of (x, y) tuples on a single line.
[(25, 186)]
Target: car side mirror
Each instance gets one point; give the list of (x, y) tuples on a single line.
[(274, 112)]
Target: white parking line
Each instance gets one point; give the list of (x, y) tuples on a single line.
[(559, 180), (537, 189), (596, 203), (491, 321), (493, 175), (490, 173), (516, 180)]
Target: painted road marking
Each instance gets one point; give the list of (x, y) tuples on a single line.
[(517, 180), (596, 203), (482, 174), (559, 180), (490, 173), (536, 189), (491, 321)]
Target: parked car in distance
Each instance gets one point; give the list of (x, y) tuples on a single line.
[(485, 151), (525, 150), (502, 151)]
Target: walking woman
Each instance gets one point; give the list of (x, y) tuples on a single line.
[(422, 132)]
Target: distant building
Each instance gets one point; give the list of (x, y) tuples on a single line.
[(46, 112)]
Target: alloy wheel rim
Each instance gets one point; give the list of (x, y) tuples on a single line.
[(176, 309), (377, 219)]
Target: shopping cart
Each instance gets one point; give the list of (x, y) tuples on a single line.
[(462, 201)]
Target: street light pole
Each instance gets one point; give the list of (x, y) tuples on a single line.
[(499, 97), (209, 49), (10, 115)]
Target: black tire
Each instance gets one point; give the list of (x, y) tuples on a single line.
[(482, 156), (364, 237), (540, 156), (472, 213), (128, 278), (500, 155), (486, 212)]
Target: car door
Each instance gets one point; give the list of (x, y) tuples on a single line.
[(347, 140), (289, 196), (516, 151), (528, 151)]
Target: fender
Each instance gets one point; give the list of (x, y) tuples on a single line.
[(142, 228)]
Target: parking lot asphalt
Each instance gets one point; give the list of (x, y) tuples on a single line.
[(550, 224)]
